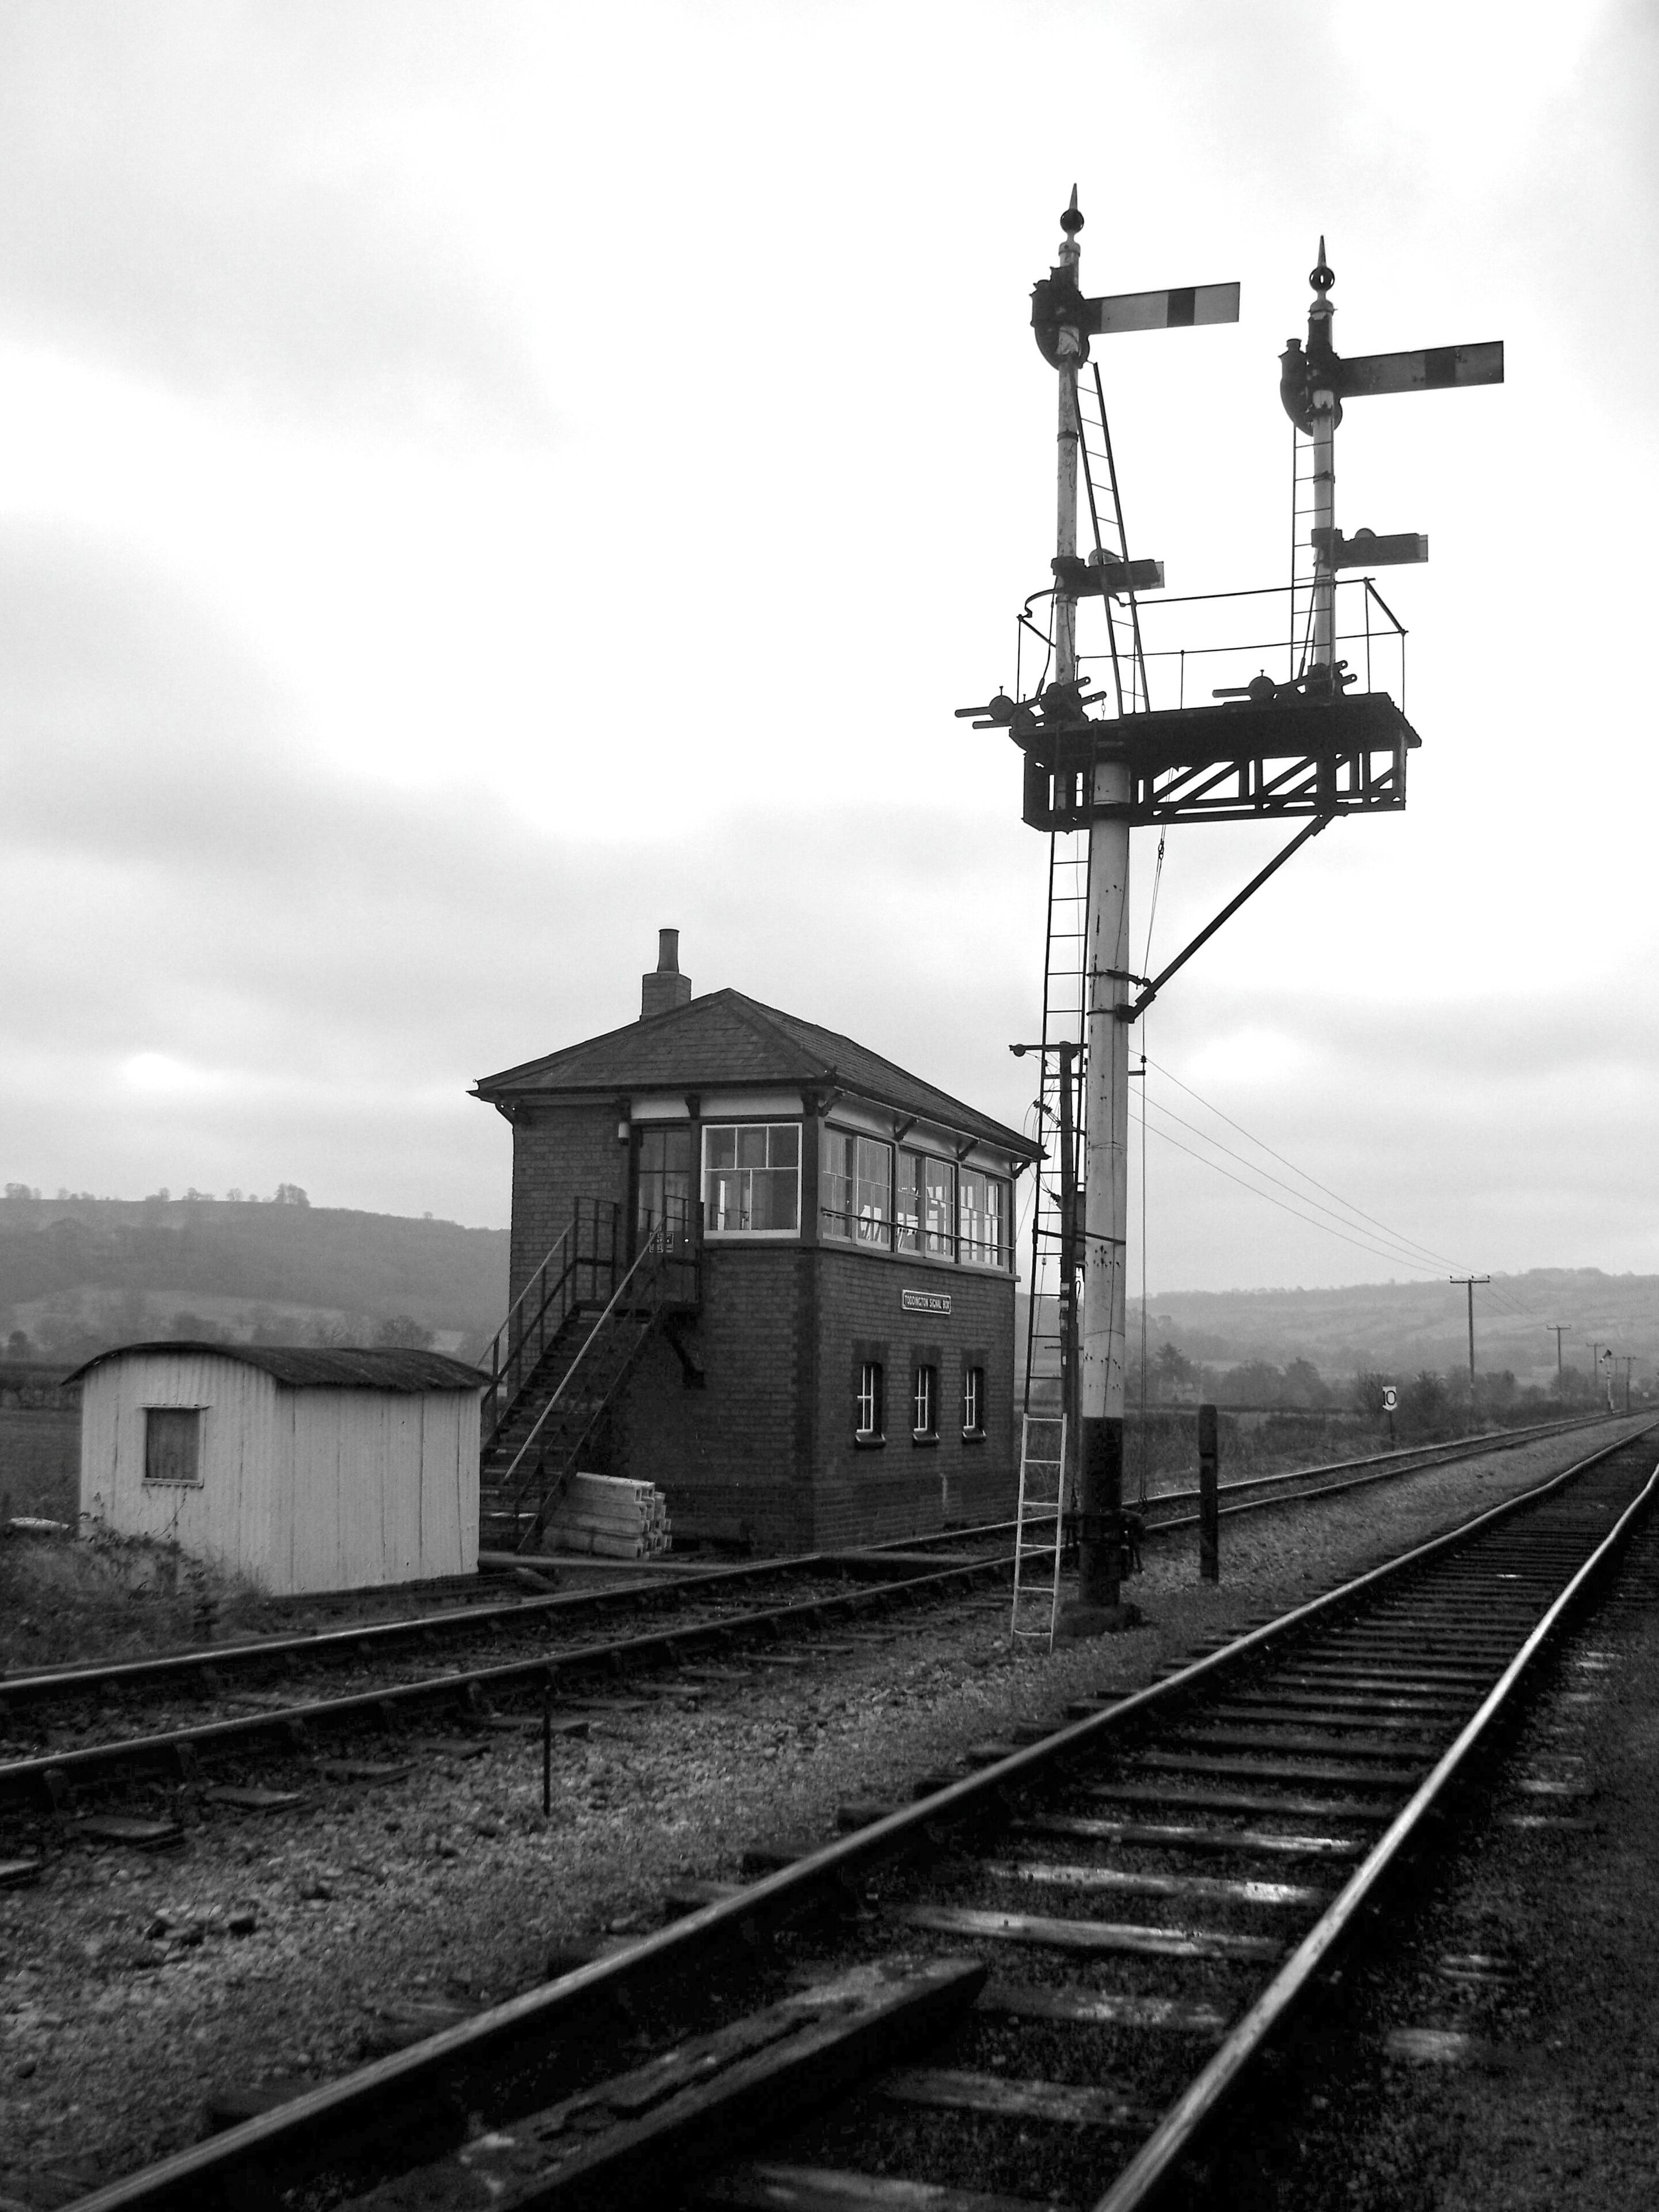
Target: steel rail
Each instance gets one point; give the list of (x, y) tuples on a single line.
[(1197, 2107), (533, 1611), (1422, 1455), (1303, 1497), (526, 1612), (662, 1589), (53, 1772), (301, 2135)]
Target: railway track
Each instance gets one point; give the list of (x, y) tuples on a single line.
[(186, 1693), (1040, 1983), (1178, 1509)]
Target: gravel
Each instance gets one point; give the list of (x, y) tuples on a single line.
[(283, 1948), (1503, 2055)]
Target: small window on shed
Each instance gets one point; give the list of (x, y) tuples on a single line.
[(172, 1444)]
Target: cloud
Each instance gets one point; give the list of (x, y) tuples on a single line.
[(230, 198), (220, 942)]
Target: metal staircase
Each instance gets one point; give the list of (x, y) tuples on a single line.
[(559, 1361)]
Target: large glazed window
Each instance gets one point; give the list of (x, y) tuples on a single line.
[(855, 1188), (665, 1179), (982, 1208), (751, 1178), (938, 1207), (173, 1444)]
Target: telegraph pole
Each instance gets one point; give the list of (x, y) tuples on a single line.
[(1557, 1330), (1469, 1282)]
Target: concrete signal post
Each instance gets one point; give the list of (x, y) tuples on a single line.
[(1319, 743), (1064, 321)]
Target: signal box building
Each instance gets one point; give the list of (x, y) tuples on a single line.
[(832, 1362)]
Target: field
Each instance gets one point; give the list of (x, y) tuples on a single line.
[(39, 1462)]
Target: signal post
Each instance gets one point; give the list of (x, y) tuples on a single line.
[(1320, 743)]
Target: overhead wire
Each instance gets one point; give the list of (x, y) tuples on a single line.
[(1441, 1259), (1257, 1191), (1410, 1246), (1402, 1254)]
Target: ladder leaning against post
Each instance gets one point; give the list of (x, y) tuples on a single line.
[(1041, 1502)]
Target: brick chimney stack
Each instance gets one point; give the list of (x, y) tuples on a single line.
[(665, 987)]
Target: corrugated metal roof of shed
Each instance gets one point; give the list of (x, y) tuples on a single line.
[(314, 1367)]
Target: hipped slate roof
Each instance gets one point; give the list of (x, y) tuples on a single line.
[(724, 1040), (307, 1367)]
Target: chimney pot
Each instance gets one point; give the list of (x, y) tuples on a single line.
[(664, 987)]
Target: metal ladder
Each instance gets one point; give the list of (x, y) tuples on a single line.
[(1301, 552), (1042, 1500), (1064, 979), (1063, 1018), (1123, 642)]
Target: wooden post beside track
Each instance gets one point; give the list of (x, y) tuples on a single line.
[(547, 1752), (1209, 1495)]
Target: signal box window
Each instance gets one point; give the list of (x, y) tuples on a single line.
[(907, 1205), (973, 1401), (665, 1178), (752, 1179), (926, 1207), (924, 1413), (173, 1444), (867, 1415), (983, 1217), (856, 1196), (939, 1228)]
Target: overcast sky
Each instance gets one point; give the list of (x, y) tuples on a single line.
[(480, 482)]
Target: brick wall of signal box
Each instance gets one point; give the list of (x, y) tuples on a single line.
[(735, 1454), (768, 1443), (559, 1154), (866, 1494)]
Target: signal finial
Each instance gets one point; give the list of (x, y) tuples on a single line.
[(1070, 222)]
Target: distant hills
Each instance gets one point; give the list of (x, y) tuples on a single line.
[(1399, 1328), (78, 1275)]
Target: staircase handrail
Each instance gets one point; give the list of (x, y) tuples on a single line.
[(493, 1356), (656, 1247)]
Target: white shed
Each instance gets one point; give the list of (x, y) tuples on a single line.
[(301, 1470)]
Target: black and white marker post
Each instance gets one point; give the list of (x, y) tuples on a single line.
[(1064, 321)]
